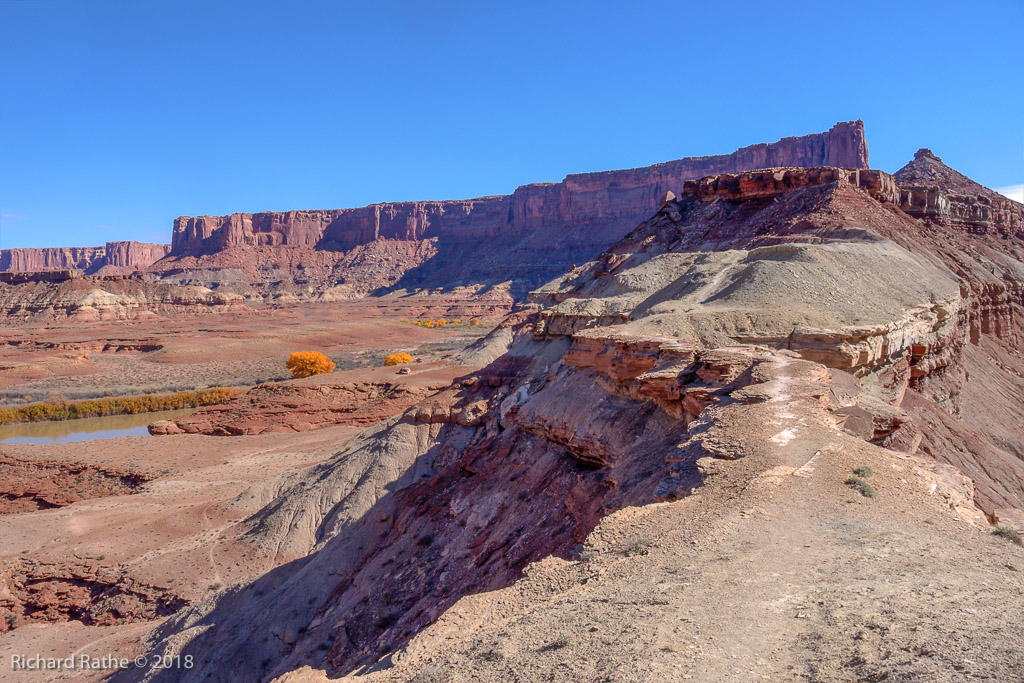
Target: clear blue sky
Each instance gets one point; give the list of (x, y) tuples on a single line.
[(115, 117)]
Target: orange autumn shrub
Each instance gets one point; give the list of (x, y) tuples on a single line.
[(309, 363), (398, 359)]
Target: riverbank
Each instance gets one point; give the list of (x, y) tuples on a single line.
[(118, 405)]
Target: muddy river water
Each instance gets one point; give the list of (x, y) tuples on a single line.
[(86, 429)]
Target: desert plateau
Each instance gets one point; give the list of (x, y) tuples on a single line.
[(748, 416)]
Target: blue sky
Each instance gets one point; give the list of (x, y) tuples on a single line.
[(115, 117)]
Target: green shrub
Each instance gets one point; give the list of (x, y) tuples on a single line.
[(863, 471), (858, 484), (562, 641), (1009, 534)]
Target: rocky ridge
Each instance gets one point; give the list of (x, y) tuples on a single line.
[(30, 484), (310, 403), (111, 297), (700, 383), (496, 246), (932, 191)]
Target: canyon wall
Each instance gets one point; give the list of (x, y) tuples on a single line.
[(513, 242), (583, 211), (57, 258), (113, 258), (127, 257)]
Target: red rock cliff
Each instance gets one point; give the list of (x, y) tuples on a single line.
[(114, 257), (604, 204), (57, 258), (132, 256)]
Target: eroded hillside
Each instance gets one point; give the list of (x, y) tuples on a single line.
[(700, 395)]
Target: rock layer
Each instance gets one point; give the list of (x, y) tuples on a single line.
[(114, 297), (511, 243), (56, 258), (29, 484), (297, 407), (89, 592)]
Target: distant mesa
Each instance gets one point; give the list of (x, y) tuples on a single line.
[(607, 203), (518, 241), (505, 245), (114, 258)]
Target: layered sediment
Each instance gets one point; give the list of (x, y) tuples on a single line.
[(112, 258), (92, 298)]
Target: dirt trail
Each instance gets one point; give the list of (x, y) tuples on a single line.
[(775, 570)]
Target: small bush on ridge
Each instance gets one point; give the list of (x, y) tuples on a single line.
[(858, 484), (1009, 534)]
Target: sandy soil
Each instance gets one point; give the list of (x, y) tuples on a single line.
[(167, 534), (238, 348), (177, 532)]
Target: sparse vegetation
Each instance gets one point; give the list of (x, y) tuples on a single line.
[(1009, 534), (858, 484), (309, 363), (442, 322), (125, 405), (434, 673), (431, 324), (639, 546), (862, 471), (398, 359)]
